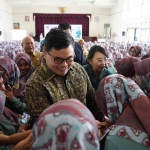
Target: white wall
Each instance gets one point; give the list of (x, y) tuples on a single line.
[(135, 16), (116, 23), (6, 21), (94, 28)]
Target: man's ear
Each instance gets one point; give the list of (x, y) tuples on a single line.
[(44, 53)]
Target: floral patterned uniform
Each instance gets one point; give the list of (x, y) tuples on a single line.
[(45, 88)]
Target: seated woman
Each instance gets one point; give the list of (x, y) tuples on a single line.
[(96, 69), (14, 95), (135, 51), (23, 62), (142, 70), (128, 108), (66, 125), (125, 66), (9, 124)]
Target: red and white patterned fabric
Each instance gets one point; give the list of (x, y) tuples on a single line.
[(66, 125), (127, 107)]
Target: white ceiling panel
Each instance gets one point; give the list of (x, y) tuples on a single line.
[(66, 3)]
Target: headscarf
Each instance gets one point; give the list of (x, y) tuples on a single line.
[(142, 69), (125, 66), (137, 50), (41, 44), (27, 58), (66, 125), (2, 102), (126, 105), (12, 71)]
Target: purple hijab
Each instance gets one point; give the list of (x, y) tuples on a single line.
[(27, 58), (12, 71)]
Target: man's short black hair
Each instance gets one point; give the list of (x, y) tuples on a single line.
[(57, 39), (94, 49), (64, 26)]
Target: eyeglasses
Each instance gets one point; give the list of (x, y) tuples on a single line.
[(100, 61), (59, 60)]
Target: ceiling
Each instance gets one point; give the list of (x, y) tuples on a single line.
[(64, 3)]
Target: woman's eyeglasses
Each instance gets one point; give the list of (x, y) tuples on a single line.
[(58, 60), (100, 61)]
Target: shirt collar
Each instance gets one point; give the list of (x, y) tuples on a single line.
[(34, 53), (47, 73)]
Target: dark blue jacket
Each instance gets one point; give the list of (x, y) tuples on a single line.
[(79, 54)]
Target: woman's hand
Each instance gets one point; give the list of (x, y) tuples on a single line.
[(102, 126), (24, 144), (9, 93), (24, 127)]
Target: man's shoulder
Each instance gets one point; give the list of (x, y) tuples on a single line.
[(77, 67), (35, 77), (37, 53)]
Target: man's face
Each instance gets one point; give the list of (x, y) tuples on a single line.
[(28, 45), (53, 56)]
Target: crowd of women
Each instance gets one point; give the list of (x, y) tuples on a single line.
[(122, 84)]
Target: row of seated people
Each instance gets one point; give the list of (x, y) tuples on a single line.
[(115, 50), (58, 78)]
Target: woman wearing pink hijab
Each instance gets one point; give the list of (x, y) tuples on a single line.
[(9, 126), (24, 64), (135, 51)]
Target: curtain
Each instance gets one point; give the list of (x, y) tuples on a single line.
[(41, 19)]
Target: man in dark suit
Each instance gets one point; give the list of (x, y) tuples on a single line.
[(77, 48)]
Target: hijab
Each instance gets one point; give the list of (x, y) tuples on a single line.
[(142, 69), (125, 104), (66, 125), (12, 71), (27, 58), (115, 90), (125, 66), (137, 50), (2, 102)]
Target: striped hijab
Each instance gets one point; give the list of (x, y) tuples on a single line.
[(125, 66)]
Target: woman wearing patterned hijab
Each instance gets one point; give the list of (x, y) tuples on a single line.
[(142, 69), (66, 125), (23, 62), (128, 109), (135, 51), (9, 126), (125, 66), (14, 94)]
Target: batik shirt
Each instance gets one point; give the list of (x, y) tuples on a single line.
[(44, 88)]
